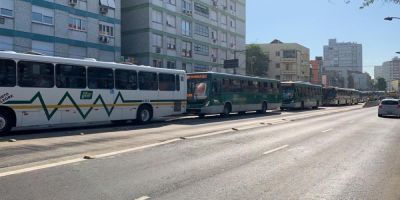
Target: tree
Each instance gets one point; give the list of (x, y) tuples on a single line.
[(380, 84), (369, 2), (256, 61)]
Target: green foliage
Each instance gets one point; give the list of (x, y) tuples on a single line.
[(367, 3), (256, 61), (380, 84)]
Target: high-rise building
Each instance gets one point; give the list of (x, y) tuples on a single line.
[(340, 59), (69, 28), (316, 70), (192, 35), (287, 61), (389, 70)]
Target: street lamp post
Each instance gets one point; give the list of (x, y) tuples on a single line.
[(391, 18)]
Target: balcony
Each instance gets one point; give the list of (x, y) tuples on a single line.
[(288, 72), (289, 60)]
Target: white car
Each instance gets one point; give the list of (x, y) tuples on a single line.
[(389, 107)]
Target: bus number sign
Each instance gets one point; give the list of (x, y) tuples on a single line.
[(86, 95), (197, 76)]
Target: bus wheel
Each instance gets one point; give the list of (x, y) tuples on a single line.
[(5, 123), (242, 112), (202, 116), (263, 108), (316, 107), (227, 110), (144, 114)]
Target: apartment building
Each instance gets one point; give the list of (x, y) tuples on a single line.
[(316, 70), (390, 71), (193, 35), (65, 28), (287, 61)]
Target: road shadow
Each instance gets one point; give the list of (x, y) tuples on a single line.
[(101, 127)]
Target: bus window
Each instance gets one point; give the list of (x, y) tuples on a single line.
[(34, 74), (69, 76), (7, 73), (125, 79), (100, 78), (148, 81), (177, 83), (166, 82)]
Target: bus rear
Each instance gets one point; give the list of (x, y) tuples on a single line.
[(289, 96)]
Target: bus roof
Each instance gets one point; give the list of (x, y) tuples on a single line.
[(234, 75), (81, 62), (300, 83)]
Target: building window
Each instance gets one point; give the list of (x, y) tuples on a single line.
[(77, 24), (232, 23), (289, 54), (46, 48), (201, 9), (223, 37), (171, 43), (172, 2), (107, 3), (223, 19), (42, 15), (106, 30), (6, 43), (157, 63), (201, 30), (157, 40), (186, 49), (201, 49), (278, 65), (186, 28), (184, 67), (213, 15), (171, 21), (171, 65), (7, 8), (278, 53), (157, 17), (287, 67), (187, 7)]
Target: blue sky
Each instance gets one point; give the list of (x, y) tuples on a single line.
[(312, 22)]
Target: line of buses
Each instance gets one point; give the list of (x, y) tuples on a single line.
[(37, 90)]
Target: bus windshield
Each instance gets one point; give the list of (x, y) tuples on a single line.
[(330, 94), (197, 89), (288, 93)]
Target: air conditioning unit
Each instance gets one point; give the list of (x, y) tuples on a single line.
[(214, 59), (103, 10), (104, 39), (73, 2), (158, 50), (215, 3), (214, 40), (225, 7)]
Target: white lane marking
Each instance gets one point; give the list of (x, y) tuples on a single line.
[(276, 149), (20, 171), (56, 164), (143, 198), (325, 131), (210, 134)]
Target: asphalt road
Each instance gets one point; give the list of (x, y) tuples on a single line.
[(345, 155)]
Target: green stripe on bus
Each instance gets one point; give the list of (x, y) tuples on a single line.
[(49, 115)]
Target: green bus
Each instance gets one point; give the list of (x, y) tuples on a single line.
[(220, 93), (301, 95), (340, 96)]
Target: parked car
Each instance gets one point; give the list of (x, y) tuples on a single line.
[(389, 107)]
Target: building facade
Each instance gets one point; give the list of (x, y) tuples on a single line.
[(287, 61), (395, 86), (316, 70), (340, 59), (65, 28), (389, 70), (193, 35)]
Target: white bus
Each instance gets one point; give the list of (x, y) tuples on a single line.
[(38, 90)]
